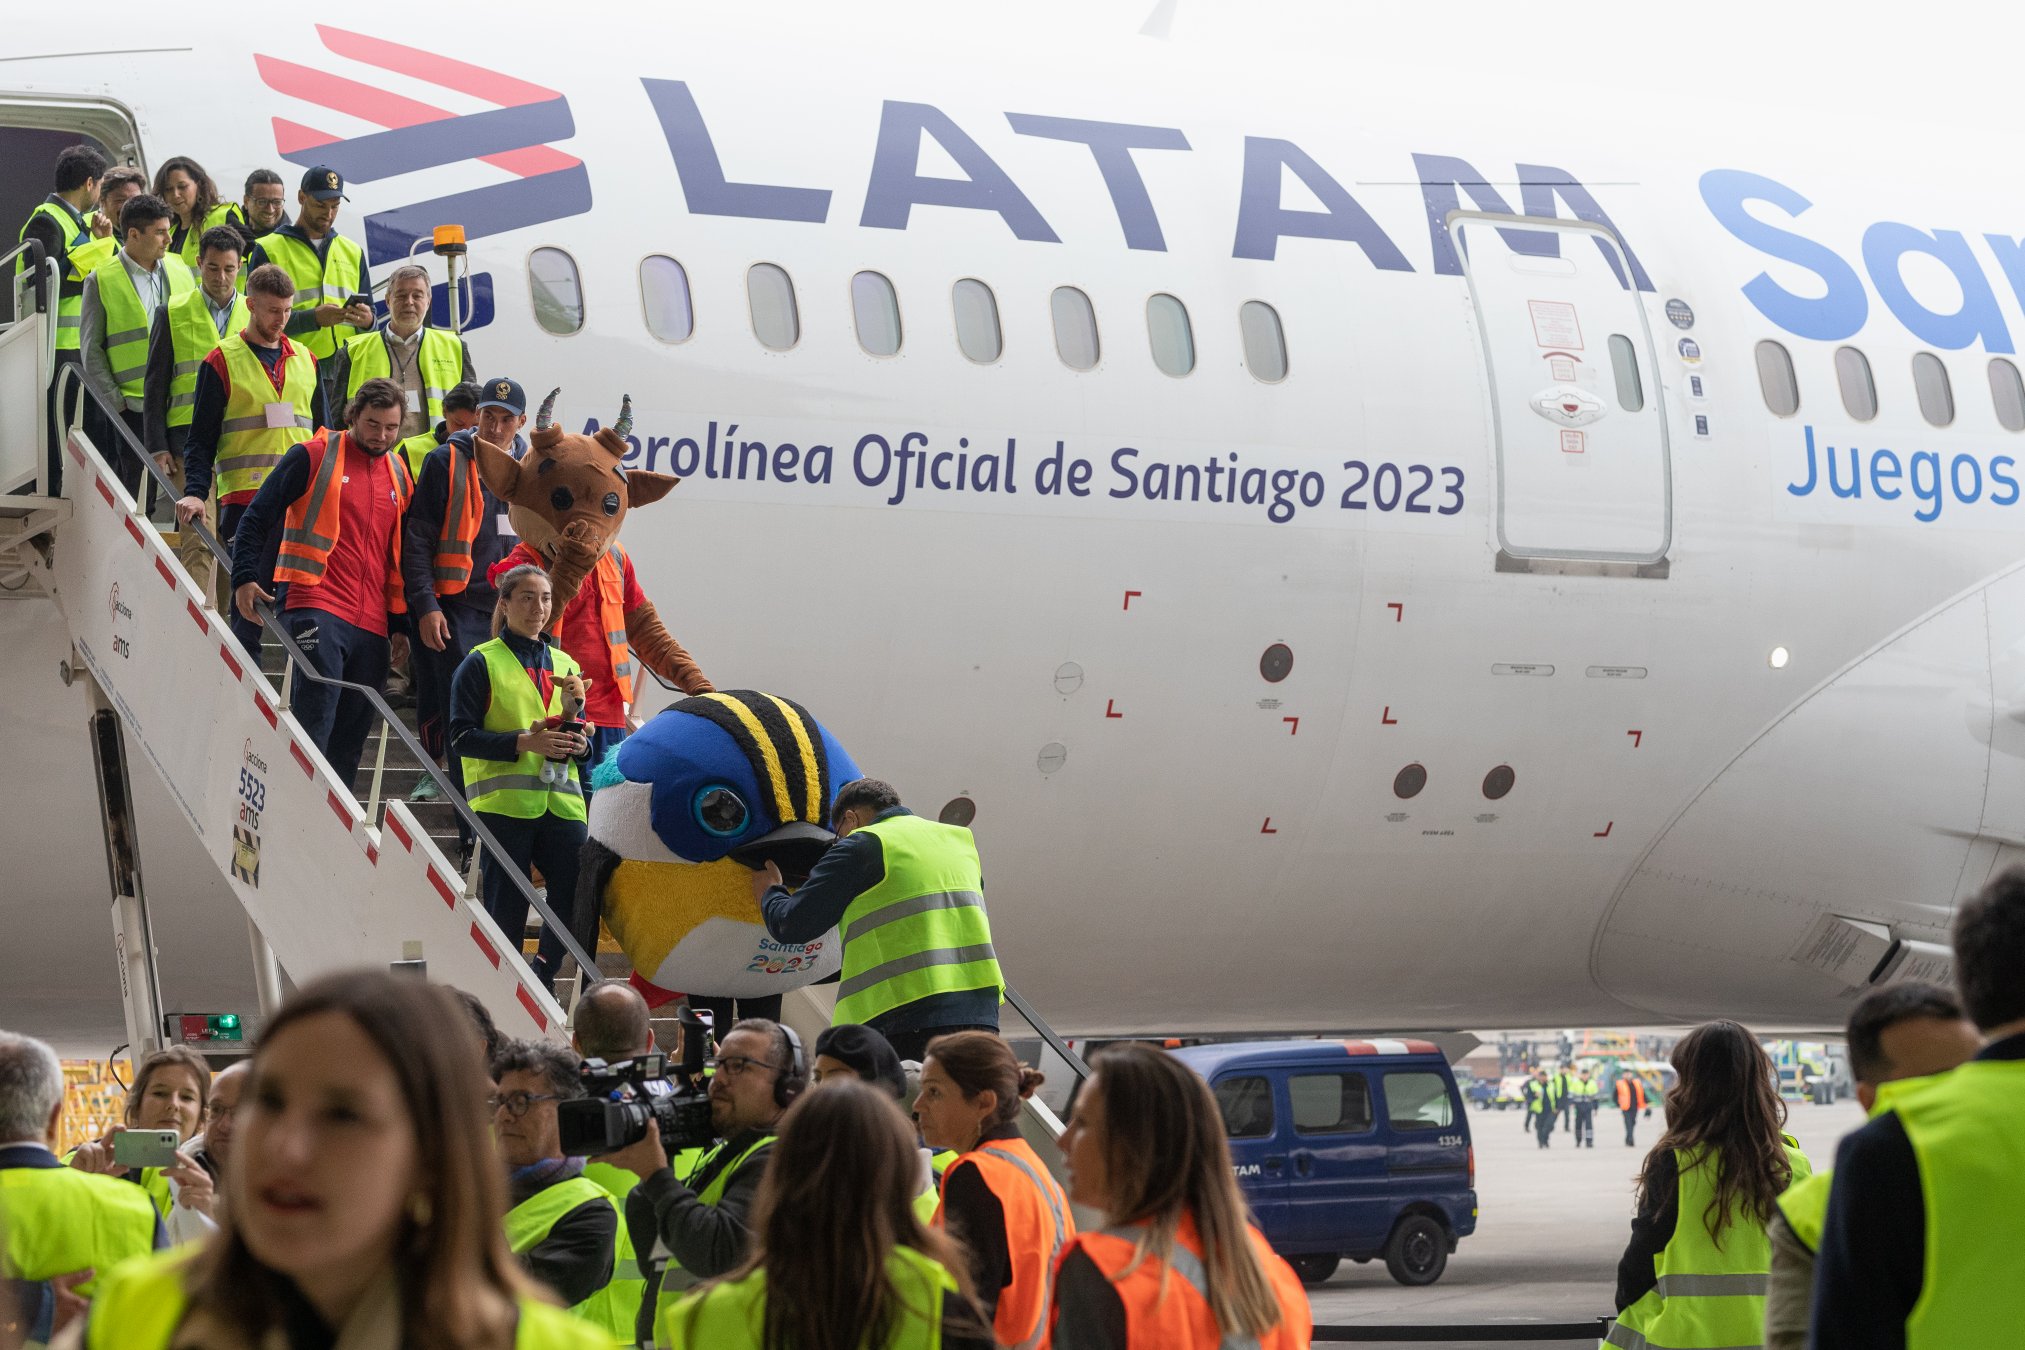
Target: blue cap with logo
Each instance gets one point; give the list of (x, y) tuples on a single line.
[(505, 394), (325, 184)]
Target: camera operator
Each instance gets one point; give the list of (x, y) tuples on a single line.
[(563, 1226), (611, 1023), (698, 1227)]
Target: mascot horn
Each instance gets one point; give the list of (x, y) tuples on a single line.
[(682, 814)]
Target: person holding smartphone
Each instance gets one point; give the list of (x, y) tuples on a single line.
[(516, 722), (172, 1088)]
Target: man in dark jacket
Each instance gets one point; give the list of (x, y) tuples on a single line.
[(575, 1253)]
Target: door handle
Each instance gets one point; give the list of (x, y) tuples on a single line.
[(1304, 1163), (1273, 1164)]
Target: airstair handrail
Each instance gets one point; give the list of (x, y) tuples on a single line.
[(304, 670), (36, 270)]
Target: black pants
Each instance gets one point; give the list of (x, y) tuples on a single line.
[(1585, 1124), (434, 672), (248, 632), (552, 844), (914, 1044), (126, 463), (1630, 1126), (338, 720), (1543, 1126), (59, 419)]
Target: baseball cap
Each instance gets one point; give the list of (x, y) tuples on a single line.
[(325, 184), (868, 1054), (503, 393)]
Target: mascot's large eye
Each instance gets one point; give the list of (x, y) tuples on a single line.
[(611, 503), (562, 499), (720, 810)]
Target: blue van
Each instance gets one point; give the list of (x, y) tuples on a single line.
[(1348, 1148)]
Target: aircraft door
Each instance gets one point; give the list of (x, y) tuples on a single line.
[(1583, 470)]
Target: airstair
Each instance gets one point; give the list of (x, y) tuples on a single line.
[(327, 882)]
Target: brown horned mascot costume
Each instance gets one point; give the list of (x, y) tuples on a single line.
[(567, 499)]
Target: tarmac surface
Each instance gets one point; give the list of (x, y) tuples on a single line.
[(1550, 1228)]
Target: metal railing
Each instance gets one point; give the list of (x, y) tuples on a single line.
[(300, 667)]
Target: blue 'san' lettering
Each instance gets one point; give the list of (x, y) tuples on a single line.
[(1830, 317)]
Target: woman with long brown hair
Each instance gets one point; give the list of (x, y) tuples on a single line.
[(171, 1091), (1696, 1268), (997, 1197), (834, 1228), (193, 204), (364, 1198), (1178, 1265)]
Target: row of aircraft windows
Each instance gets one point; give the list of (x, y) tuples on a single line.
[(1853, 380), (875, 312)]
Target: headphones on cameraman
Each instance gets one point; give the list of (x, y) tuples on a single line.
[(794, 1077)]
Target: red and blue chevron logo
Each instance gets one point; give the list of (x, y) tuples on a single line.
[(512, 134)]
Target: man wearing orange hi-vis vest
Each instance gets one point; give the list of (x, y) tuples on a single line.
[(338, 499)]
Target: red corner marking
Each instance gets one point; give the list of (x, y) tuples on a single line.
[(442, 888), (491, 952), (1603, 833), (373, 854), (1267, 828), (266, 711), (1398, 608), (196, 615), (1386, 718), (75, 453), (1293, 725), (168, 577), (134, 530), (308, 769), (1129, 595), (1109, 710), (533, 1008), (104, 491), (339, 809), (238, 672), (1637, 738), (400, 833)]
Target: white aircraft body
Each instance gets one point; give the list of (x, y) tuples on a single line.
[(1435, 619)]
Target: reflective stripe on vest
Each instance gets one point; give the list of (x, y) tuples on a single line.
[(439, 358), (731, 1315), (939, 941), (459, 535), (141, 1304), (674, 1280), (310, 529), (194, 336), (69, 297), (127, 320), (1021, 1319), (330, 283), (516, 787), (1177, 1314), (1965, 1135), (1707, 1297), (611, 581), (58, 1220), (248, 449), (529, 1223)]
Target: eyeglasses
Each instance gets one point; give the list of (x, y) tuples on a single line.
[(734, 1066), (516, 1103)]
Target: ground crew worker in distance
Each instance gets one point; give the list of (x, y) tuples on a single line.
[(1584, 1093), (839, 1184), (366, 1207), (121, 298), (1900, 1035), (338, 499), (997, 1197), (58, 1224), (910, 978), (1631, 1101), (254, 398), (426, 362), (62, 223), (1146, 1146), (329, 270), (563, 1226), (1704, 1197), (523, 774), (1924, 1242)]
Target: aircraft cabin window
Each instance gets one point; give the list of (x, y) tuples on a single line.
[(876, 311), (2008, 393), (1930, 382), (1624, 365), (1775, 378), (770, 294), (1859, 390), (1173, 340), (1075, 328), (558, 291), (1265, 343), (664, 291), (977, 330)]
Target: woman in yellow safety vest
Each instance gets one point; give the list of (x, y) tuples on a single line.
[(172, 1088), (364, 1199), (834, 1228), (192, 199), (1695, 1272), (516, 707)]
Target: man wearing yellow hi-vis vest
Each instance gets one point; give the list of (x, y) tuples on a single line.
[(1923, 1245), (329, 270), (63, 224), (121, 298), (426, 362), (907, 895)]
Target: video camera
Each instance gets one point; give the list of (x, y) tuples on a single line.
[(621, 1100)]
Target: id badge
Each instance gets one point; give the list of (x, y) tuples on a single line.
[(280, 416), (414, 400)]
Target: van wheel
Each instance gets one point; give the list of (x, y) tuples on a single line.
[(1315, 1267), (1417, 1252)]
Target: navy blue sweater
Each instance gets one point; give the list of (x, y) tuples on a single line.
[(471, 696), (424, 523)]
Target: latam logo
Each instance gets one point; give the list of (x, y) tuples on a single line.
[(512, 135)]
